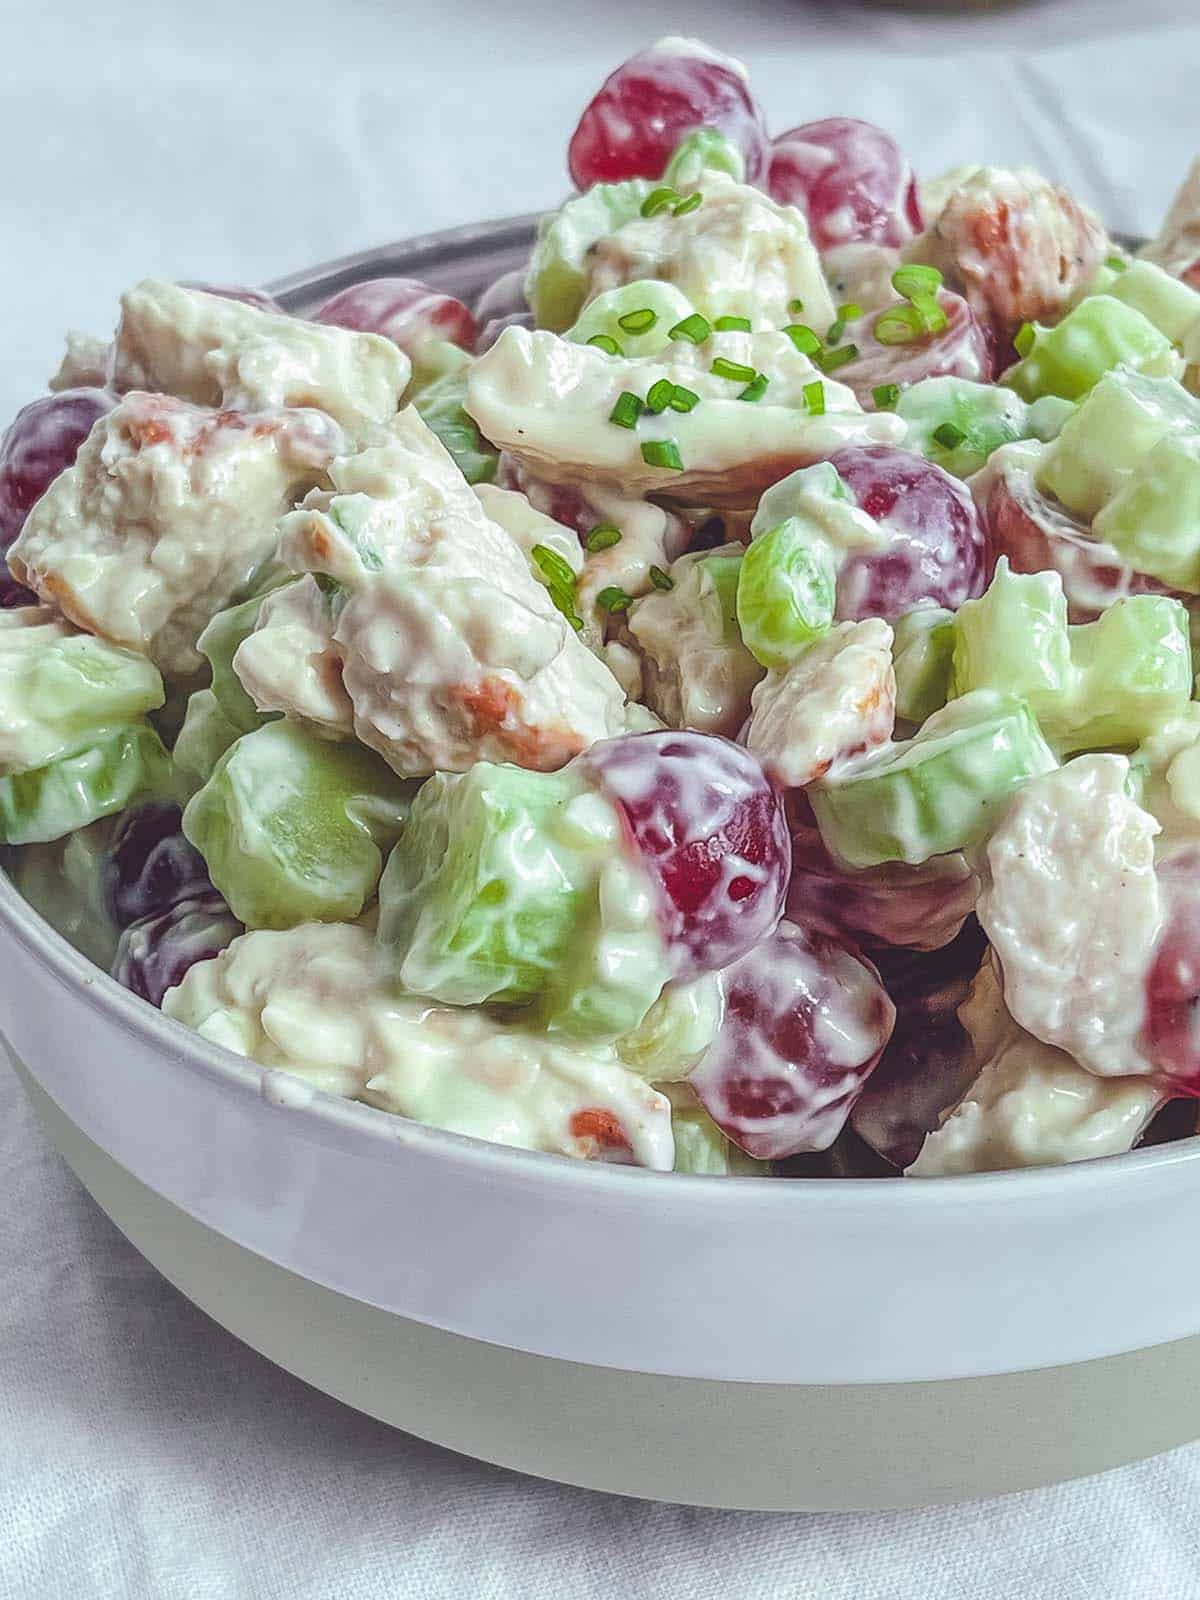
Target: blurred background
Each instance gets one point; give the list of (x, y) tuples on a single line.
[(240, 139)]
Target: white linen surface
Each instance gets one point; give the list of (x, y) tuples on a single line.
[(143, 1451)]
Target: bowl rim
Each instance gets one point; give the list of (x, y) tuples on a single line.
[(20, 920)]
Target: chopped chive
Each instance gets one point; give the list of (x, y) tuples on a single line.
[(683, 399), (627, 410), (898, 325), (659, 199), (602, 537), (885, 396), (796, 308), (850, 312), (814, 398), (933, 318), (831, 360), (695, 329), (756, 388), (1023, 338), (1115, 263), (640, 321), (603, 342), (659, 396), (692, 203), (950, 435), (735, 371), (560, 581), (836, 330), (914, 280), (805, 340), (661, 580), (613, 599), (662, 453), (732, 324)]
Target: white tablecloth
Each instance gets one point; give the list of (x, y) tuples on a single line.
[(143, 1451)]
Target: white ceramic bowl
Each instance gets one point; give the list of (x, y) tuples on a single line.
[(745, 1342)]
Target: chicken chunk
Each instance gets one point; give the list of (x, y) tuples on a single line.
[(165, 516)]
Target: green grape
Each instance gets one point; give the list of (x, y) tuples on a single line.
[(440, 405), (1110, 433), (786, 592), (1154, 517), (219, 644), (59, 689), (63, 880), (923, 655), (1014, 639), (676, 1031), (51, 801), (601, 317), (205, 736), (1169, 303), (1099, 334), (1135, 672), (703, 150), (293, 828), (554, 285), (937, 792), (983, 415)]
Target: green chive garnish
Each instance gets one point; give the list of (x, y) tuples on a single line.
[(950, 435), (659, 199), (694, 329), (756, 388), (662, 453), (933, 318), (640, 321), (683, 399), (560, 581), (627, 410), (914, 280), (898, 325), (836, 330), (692, 203), (831, 360), (659, 397), (603, 342), (814, 398), (885, 396), (1115, 263), (735, 371), (613, 599), (805, 340), (796, 308), (732, 324), (602, 537), (661, 580), (1023, 338), (850, 311)]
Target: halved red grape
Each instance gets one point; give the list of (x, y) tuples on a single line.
[(935, 549), (43, 440), (805, 1023), (711, 832), (501, 305), (258, 298), (1171, 1035), (155, 954), (632, 125), (1037, 534), (922, 907), (404, 310), (849, 178), (150, 865), (960, 350), (491, 331)]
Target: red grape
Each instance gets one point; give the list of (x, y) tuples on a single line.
[(150, 865), (711, 832), (258, 298), (12, 593), (896, 904), (155, 954), (1170, 1037), (1037, 534), (935, 548), (805, 1022), (43, 440), (491, 331), (960, 350), (501, 305), (850, 180), (632, 125), (404, 310)]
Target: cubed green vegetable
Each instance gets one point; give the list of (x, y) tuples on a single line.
[(985, 414), (1171, 305), (205, 736), (440, 406), (1099, 334), (1154, 517), (1014, 639), (1135, 672), (923, 656), (51, 801), (219, 643), (554, 285)]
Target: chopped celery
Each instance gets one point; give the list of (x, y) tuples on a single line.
[(1014, 639), (985, 414), (1170, 304), (786, 592), (923, 654), (1154, 517), (701, 151), (939, 791), (293, 828), (440, 406), (703, 1150), (554, 285), (205, 736), (1135, 671), (1099, 334), (602, 316), (219, 643), (51, 801)]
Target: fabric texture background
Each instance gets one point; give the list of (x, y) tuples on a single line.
[(144, 1451)]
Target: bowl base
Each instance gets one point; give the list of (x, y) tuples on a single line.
[(742, 1446)]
